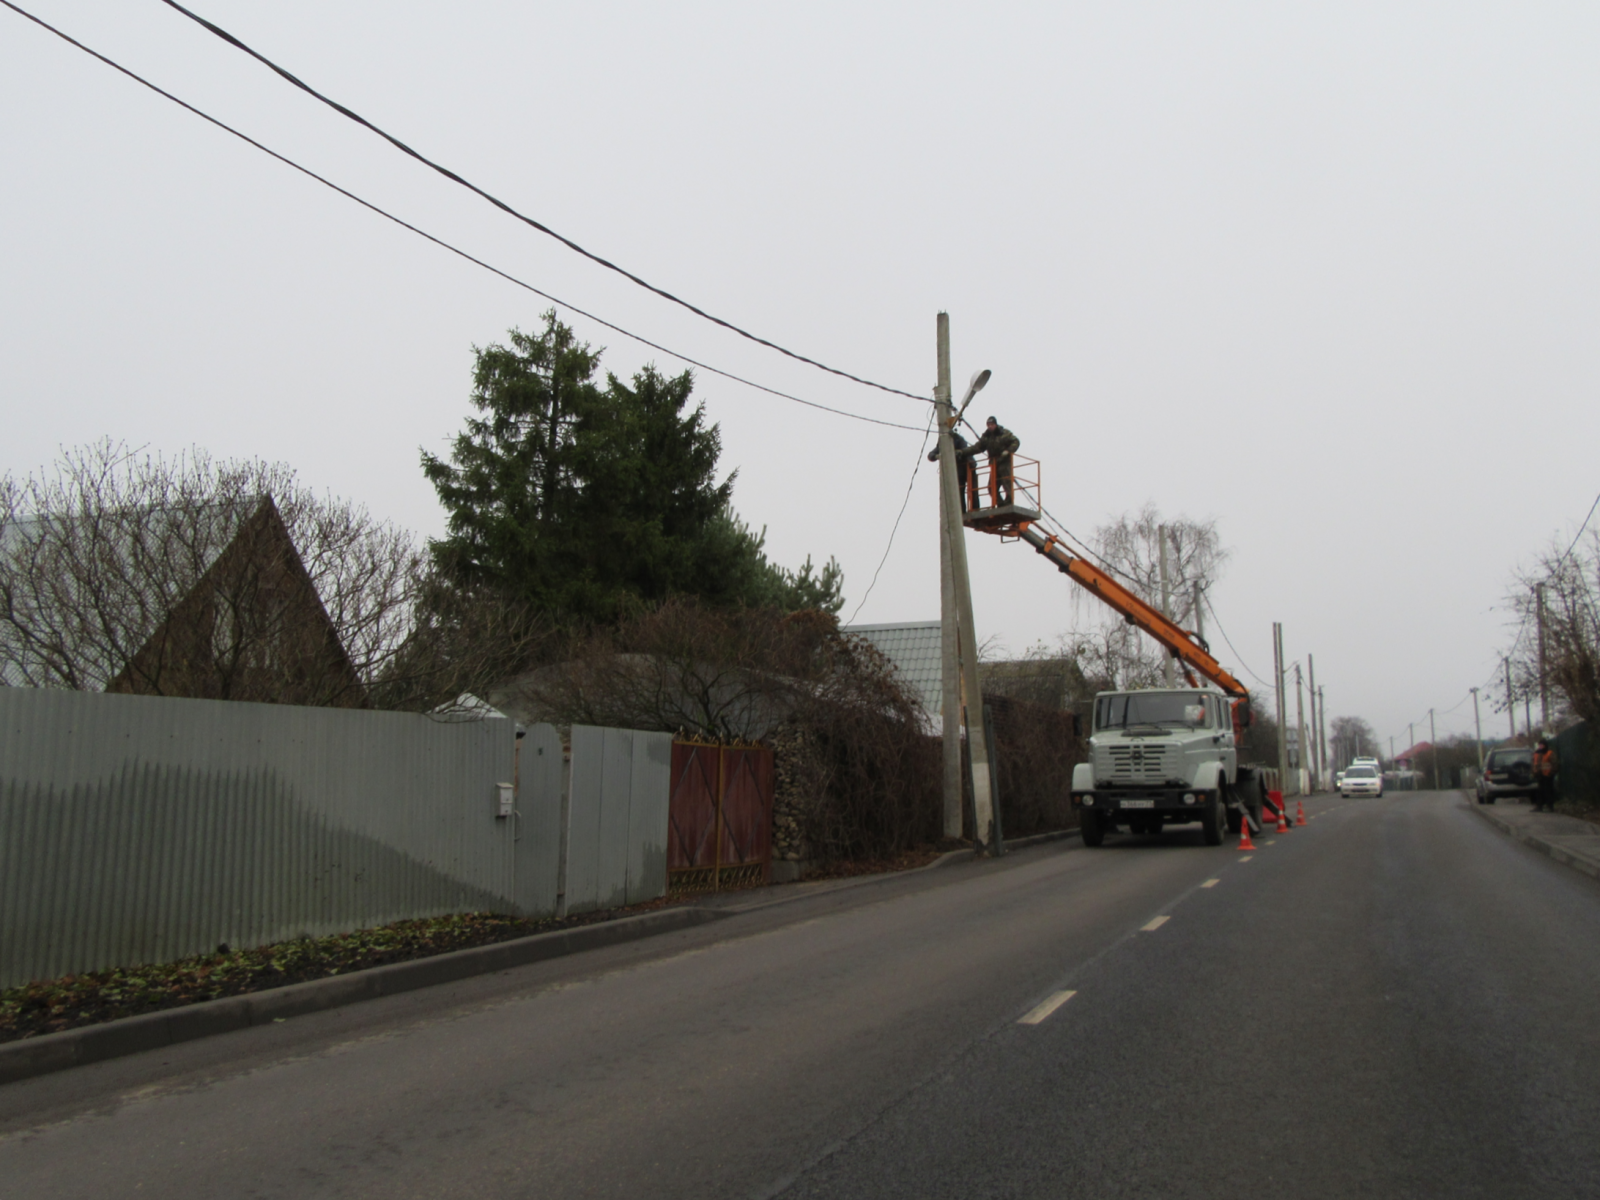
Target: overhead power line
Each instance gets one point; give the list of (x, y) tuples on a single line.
[(440, 242), (898, 517), (1206, 600), (523, 217)]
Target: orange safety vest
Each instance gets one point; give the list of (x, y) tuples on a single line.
[(1544, 762)]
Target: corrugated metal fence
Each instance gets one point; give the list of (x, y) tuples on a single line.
[(139, 829), (143, 829)]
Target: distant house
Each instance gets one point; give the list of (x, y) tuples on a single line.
[(1408, 759), (207, 601)]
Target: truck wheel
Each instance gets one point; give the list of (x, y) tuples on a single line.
[(1215, 821), (1092, 826)]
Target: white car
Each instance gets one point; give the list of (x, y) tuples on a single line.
[(1361, 780)]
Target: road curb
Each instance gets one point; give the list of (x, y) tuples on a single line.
[(1543, 845), (151, 1031)]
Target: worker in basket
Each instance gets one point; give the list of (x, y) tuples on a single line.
[(999, 443), (964, 480)]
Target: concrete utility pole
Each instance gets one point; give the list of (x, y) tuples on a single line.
[(971, 698), (1478, 725), (1433, 744), (1166, 600), (1322, 731), (1283, 714), (1300, 719), (949, 625), (1318, 766), (1511, 702), (1544, 678)]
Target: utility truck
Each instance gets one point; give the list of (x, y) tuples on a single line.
[(1158, 756)]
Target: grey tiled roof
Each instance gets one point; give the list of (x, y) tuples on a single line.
[(913, 648)]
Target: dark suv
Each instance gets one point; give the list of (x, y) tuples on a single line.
[(1508, 772)]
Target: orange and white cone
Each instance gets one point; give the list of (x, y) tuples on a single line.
[(1299, 812), (1283, 819), (1244, 831)]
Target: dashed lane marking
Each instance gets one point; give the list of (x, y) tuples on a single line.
[(1211, 883), (1246, 857), (1045, 1007), (1269, 841), (1154, 924)]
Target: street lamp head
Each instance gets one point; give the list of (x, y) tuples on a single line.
[(979, 379)]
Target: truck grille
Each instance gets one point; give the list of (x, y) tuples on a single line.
[(1137, 763)]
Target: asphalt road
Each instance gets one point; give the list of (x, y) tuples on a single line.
[(1394, 1001)]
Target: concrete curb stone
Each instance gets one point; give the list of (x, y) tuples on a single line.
[(151, 1031)]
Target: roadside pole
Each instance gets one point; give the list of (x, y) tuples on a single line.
[(961, 593), (1282, 708), (949, 629), (1511, 702), (1166, 600), (1300, 719), (1311, 670), (1478, 725), (1322, 732), (1544, 684), (1433, 744)]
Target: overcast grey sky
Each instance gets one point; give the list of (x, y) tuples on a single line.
[(1325, 273)]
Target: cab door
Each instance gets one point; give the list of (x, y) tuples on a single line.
[(1228, 751)]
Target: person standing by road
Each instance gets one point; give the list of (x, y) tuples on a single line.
[(1544, 776), (999, 443), (963, 467)]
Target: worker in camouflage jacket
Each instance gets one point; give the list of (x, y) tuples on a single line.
[(964, 481), (999, 443)]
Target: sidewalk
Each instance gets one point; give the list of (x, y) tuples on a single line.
[(1566, 839)]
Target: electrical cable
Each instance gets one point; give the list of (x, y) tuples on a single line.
[(1206, 600), (440, 242), (915, 471), (1579, 534), (523, 217)]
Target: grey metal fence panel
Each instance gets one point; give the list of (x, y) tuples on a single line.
[(584, 793), (538, 855), (141, 829), (649, 793), (617, 779)]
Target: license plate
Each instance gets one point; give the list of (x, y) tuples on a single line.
[(1138, 804)]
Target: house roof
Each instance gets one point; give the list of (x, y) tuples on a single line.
[(914, 649), (142, 562)]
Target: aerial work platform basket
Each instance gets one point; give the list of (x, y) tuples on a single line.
[(985, 511)]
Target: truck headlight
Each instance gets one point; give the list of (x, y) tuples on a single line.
[(1087, 801), (1188, 797)]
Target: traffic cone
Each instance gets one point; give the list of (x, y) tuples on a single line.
[(1299, 812), (1244, 831), (1283, 820)]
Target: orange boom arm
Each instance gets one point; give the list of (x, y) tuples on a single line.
[(1183, 645)]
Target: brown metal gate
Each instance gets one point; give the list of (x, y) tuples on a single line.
[(719, 822)]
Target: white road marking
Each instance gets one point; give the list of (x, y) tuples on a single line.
[(1045, 1007), (1246, 857), (1269, 841), (1211, 883), (1152, 925)]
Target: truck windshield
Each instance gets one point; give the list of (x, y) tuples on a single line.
[(1153, 708)]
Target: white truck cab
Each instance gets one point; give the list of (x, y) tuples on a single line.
[(1161, 756)]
